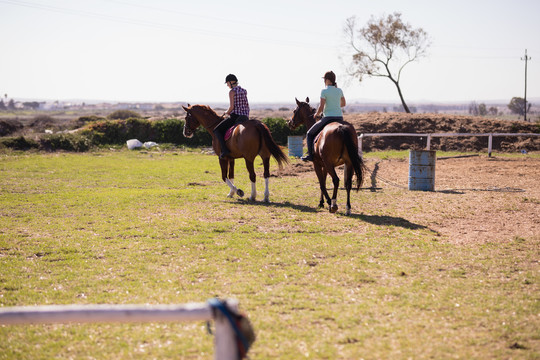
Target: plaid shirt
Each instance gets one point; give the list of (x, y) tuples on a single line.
[(241, 105)]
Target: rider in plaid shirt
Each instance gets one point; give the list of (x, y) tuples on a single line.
[(238, 112)]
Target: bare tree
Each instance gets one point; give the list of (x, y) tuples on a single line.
[(384, 47)]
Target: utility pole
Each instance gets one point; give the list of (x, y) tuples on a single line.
[(526, 58)]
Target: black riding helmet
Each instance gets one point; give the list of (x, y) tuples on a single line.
[(230, 77)]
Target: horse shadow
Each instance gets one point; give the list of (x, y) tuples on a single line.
[(385, 220), (285, 204), (381, 220)]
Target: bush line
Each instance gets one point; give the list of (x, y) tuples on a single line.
[(99, 132)]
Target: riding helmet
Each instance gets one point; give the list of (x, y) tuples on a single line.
[(230, 77)]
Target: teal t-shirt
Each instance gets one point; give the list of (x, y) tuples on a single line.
[(333, 96)]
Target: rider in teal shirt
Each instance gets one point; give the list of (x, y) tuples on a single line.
[(333, 96), (332, 100)]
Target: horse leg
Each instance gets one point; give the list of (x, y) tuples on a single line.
[(335, 181), (224, 165), (229, 178), (252, 178), (321, 175), (227, 166), (266, 175), (348, 175)]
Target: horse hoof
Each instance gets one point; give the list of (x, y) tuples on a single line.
[(240, 193), (348, 212), (333, 209)]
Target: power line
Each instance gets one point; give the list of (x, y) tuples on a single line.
[(162, 26), (237, 22)]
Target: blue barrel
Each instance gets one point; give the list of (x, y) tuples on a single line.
[(422, 170), (296, 145)]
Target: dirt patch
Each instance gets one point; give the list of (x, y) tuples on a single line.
[(476, 199)]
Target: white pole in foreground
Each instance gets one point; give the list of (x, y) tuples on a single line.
[(104, 313), (224, 342)]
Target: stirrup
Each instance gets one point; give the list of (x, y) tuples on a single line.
[(307, 157), (224, 154)]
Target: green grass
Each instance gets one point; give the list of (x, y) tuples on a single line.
[(138, 227)]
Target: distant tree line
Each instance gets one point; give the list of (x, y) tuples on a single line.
[(481, 109), (10, 105)]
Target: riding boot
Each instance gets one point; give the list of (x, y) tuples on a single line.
[(309, 155), (221, 138)]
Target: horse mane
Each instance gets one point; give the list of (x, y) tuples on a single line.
[(205, 109)]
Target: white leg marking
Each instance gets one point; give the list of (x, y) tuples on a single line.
[(233, 188), (334, 202), (266, 190), (253, 191), (348, 212)]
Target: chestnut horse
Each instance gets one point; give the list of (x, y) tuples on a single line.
[(335, 145), (248, 139)]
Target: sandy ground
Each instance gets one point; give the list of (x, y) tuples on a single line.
[(476, 199)]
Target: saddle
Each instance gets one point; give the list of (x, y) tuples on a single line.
[(239, 120)]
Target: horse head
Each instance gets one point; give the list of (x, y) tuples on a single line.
[(199, 115), (302, 114), (191, 122)]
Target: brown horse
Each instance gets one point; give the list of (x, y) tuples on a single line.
[(248, 139), (335, 145)]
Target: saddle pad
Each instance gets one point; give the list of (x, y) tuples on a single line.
[(229, 132)]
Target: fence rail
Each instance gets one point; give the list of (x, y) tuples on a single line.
[(428, 136), (225, 345)]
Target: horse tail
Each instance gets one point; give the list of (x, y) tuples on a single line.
[(352, 150), (274, 149)]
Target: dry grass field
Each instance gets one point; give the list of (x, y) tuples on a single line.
[(449, 273)]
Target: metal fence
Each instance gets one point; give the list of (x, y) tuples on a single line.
[(225, 342)]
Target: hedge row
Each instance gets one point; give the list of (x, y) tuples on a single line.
[(168, 131), (117, 132)]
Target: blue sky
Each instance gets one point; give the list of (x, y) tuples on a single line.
[(170, 50)]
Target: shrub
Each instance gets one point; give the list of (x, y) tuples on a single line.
[(41, 122), (123, 115), (89, 119), (9, 126), (117, 132), (171, 131), (280, 130), (67, 142), (164, 131), (18, 143)]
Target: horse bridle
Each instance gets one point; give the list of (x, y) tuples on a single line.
[(311, 110), (189, 119)]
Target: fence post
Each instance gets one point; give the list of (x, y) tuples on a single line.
[(360, 145), (225, 347), (428, 147), (490, 144)]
